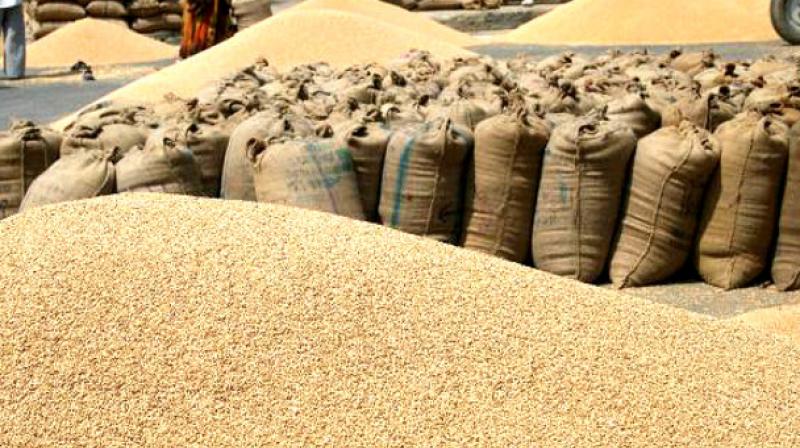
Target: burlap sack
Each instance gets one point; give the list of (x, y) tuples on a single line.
[(237, 172), (83, 175), (312, 174), (671, 169), (250, 12), (144, 8), (465, 113), (163, 165), (25, 153), (163, 22), (423, 180), (170, 7), (208, 144), (367, 143), (635, 112), (707, 111), (107, 9), (692, 63), (59, 12), (741, 206), (502, 186), (113, 139), (786, 265), (580, 194)]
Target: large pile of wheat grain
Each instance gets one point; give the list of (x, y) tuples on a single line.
[(148, 320), (286, 40), (385, 12), (638, 22), (96, 42)]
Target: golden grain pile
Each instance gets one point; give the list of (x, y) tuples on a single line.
[(385, 12), (96, 42), (638, 22), (288, 39), (146, 320), (782, 320)]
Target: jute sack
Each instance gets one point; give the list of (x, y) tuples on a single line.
[(83, 175), (208, 144), (635, 112), (113, 139), (423, 180), (163, 22), (59, 12), (311, 174), (502, 186), (580, 194), (163, 165), (741, 206), (786, 265), (671, 169), (144, 8), (367, 143), (707, 111), (237, 172), (106, 8), (24, 155), (463, 112)]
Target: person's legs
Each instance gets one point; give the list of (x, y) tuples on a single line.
[(13, 25)]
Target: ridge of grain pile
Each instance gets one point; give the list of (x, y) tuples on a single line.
[(385, 12), (638, 22), (96, 42), (286, 40), (782, 320), (261, 325)]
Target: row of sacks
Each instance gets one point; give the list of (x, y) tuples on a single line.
[(254, 118), (145, 16)]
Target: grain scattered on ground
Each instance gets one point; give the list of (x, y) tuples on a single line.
[(153, 321), (96, 42), (640, 22)]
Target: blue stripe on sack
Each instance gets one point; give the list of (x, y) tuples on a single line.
[(402, 174)]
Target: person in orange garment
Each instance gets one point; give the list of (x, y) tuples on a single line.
[(205, 24)]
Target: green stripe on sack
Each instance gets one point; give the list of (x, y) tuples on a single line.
[(402, 174)]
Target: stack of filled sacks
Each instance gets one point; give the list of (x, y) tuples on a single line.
[(250, 12), (428, 5), (154, 16), (110, 10), (50, 15), (627, 166)]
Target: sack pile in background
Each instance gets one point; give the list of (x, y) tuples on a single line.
[(625, 166)]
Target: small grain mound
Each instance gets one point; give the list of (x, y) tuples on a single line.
[(286, 40), (164, 321), (639, 22), (783, 320), (385, 12), (96, 42)]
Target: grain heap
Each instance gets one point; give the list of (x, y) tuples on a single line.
[(96, 42), (380, 10), (336, 37), (637, 22), (264, 325), (781, 320)]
